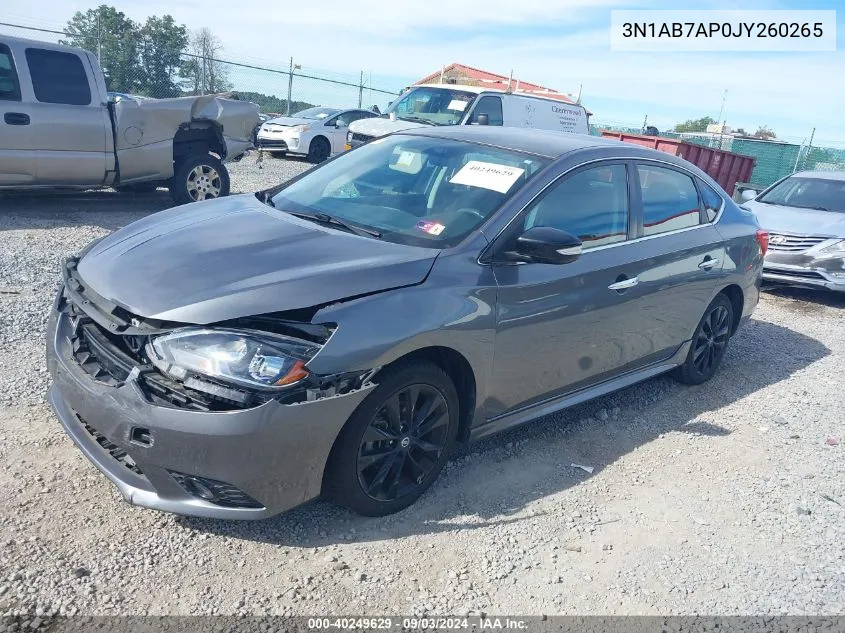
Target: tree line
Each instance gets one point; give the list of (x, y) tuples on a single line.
[(700, 125), (158, 58)]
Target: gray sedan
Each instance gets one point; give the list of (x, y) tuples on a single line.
[(805, 216), (343, 332)]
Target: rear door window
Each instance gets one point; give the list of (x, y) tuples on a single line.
[(10, 88), (670, 200), (58, 77)]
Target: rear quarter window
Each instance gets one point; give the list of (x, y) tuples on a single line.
[(711, 201), (58, 77)]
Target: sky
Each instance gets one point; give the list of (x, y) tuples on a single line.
[(563, 44)]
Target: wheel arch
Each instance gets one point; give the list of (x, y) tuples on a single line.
[(737, 298), (460, 372), (198, 137)]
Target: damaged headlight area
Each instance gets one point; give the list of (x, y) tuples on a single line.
[(241, 357)]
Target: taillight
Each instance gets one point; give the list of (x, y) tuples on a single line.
[(763, 240)]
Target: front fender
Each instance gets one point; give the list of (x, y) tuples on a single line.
[(455, 307)]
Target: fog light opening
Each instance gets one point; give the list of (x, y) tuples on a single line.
[(199, 489), (217, 492)]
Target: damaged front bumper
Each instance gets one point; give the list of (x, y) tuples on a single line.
[(234, 464), (805, 270)]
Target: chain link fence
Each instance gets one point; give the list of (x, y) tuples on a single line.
[(774, 158), (276, 90)]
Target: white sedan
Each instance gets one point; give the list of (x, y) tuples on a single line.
[(316, 132)]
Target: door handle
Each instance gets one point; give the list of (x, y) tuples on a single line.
[(16, 118), (707, 264), (624, 284)]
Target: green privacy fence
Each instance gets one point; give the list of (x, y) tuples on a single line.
[(774, 159)]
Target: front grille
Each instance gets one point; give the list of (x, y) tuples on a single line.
[(113, 449), (803, 274), (361, 138), (217, 492), (110, 358), (786, 243), (97, 357)]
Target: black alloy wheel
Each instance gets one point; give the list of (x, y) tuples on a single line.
[(396, 442), (709, 342), (403, 443)]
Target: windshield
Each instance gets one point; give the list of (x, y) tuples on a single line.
[(315, 113), (808, 193), (412, 189), (435, 106)]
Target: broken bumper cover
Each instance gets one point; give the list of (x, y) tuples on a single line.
[(261, 461), (805, 270)]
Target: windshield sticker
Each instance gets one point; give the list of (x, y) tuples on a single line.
[(430, 227), (457, 104), (487, 176), (406, 158)]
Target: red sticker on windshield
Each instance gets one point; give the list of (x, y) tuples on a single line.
[(430, 227)]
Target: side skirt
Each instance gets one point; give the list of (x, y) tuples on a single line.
[(540, 409)]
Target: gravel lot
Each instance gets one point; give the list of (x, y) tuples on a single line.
[(726, 498)]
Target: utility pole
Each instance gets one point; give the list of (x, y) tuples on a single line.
[(722, 109), (290, 83), (645, 122), (99, 39), (361, 90)]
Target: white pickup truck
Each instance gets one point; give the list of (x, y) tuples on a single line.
[(60, 128)]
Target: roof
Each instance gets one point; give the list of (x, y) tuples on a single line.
[(550, 144), (494, 81), (480, 89), (822, 175)]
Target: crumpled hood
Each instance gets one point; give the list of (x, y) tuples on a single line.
[(231, 257), (782, 219), (376, 126)]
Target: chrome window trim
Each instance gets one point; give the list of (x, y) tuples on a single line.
[(625, 242)]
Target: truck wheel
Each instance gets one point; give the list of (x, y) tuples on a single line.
[(199, 177)]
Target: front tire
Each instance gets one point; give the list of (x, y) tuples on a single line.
[(319, 150), (199, 177), (396, 442), (709, 343)]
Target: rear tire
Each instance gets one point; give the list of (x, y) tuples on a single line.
[(319, 150), (396, 442), (709, 343), (199, 177)]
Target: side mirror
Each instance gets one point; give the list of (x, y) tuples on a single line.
[(748, 194), (340, 124), (547, 245), (482, 119)]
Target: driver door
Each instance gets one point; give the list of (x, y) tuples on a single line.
[(560, 327)]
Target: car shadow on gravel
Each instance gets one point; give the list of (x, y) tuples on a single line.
[(806, 299), (49, 209), (498, 480)]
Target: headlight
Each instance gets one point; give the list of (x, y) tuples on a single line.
[(837, 248), (245, 357), (349, 136), (301, 128)]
